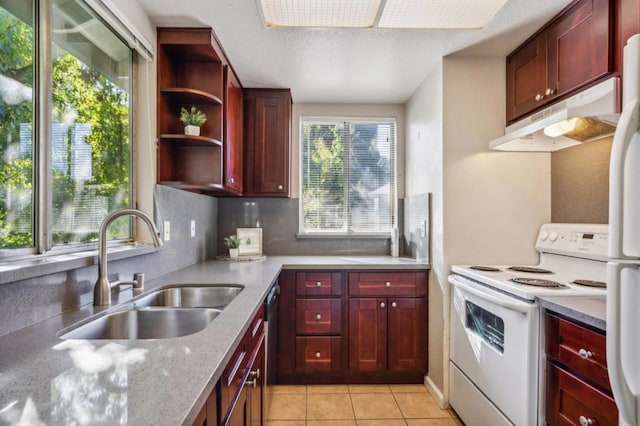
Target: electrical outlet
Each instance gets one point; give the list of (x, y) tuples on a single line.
[(167, 230), (193, 228)]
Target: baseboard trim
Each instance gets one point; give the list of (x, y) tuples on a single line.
[(437, 394)]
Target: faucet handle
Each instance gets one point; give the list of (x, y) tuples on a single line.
[(138, 281)]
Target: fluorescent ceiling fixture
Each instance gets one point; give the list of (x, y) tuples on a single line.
[(412, 14), (445, 14), (320, 13)]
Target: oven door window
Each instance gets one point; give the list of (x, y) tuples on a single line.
[(488, 326)]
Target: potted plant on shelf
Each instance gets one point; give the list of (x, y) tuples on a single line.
[(192, 120), (232, 242)]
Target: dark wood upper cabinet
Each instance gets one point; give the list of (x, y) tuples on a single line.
[(267, 133), (526, 76), (579, 47), (573, 50), (233, 141), (193, 71)]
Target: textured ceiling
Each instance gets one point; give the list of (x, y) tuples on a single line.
[(354, 66)]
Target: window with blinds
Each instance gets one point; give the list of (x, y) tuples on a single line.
[(348, 176)]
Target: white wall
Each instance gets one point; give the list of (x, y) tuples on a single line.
[(486, 206), (396, 111), (144, 110)]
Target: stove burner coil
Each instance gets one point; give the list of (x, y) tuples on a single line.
[(536, 282), (590, 283), (530, 269), (484, 268)]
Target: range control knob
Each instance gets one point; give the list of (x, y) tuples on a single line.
[(543, 235), (553, 236)]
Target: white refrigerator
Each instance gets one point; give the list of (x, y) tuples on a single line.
[(623, 268)]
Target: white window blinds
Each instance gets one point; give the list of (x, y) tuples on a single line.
[(348, 176)]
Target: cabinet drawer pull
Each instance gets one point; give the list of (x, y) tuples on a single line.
[(318, 354), (585, 354), (387, 284), (318, 317), (252, 378), (318, 284), (550, 91), (382, 305), (539, 97), (584, 421), (394, 304)]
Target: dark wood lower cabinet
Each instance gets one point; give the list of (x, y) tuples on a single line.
[(387, 335), (367, 334), (577, 388), (573, 401), (373, 330)]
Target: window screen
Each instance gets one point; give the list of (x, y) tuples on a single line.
[(348, 176)]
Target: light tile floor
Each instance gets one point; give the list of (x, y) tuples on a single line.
[(356, 405)]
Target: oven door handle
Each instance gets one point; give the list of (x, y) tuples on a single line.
[(512, 304)]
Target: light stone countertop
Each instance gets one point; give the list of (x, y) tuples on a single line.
[(46, 380), (589, 310)]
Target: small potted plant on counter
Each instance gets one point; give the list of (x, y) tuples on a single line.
[(192, 120), (232, 242)]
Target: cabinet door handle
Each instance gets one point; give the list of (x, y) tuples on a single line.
[(550, 91), (318, 317), (280, 187), (230, 180), (318, 354), (318, 284), (539, 97), (252, 378), (394, 305), (585, 354), (387, 284), (584, 421), (382, 305)]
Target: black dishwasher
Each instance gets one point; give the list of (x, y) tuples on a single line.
[(271, 345)]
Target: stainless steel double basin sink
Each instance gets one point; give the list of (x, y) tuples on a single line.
[(171, 311)]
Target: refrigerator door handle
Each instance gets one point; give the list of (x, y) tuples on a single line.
[(621, 391), (627, 127)]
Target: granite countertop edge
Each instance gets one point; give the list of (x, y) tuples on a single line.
[(46, 379), (590, 310)]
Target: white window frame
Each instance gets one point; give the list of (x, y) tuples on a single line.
[(302, 233)]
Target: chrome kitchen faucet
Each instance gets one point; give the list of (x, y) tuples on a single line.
[(102, 289)]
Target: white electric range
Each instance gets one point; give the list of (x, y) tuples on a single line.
[(495, 323)]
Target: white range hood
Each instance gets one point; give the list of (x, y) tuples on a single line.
[(587, 116)]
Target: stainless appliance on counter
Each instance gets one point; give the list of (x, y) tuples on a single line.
[(495, 368), (271, 344)]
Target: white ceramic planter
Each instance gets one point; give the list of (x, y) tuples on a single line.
[(192, 130), (234, 252)]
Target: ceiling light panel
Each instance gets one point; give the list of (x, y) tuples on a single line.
[(320, 13), (441, 14)]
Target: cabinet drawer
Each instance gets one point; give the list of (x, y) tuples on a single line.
[(255, 331), (569, 399), (318, 316), (318, 284), (579, 348), (318, 354), (387, 283)]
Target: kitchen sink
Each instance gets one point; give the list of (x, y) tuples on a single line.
[(145, 323), (192, 296)]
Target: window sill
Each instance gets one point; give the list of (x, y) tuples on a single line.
[(40, 265), (344, 236)]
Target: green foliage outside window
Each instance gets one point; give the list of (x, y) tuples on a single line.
[(80, 94)]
